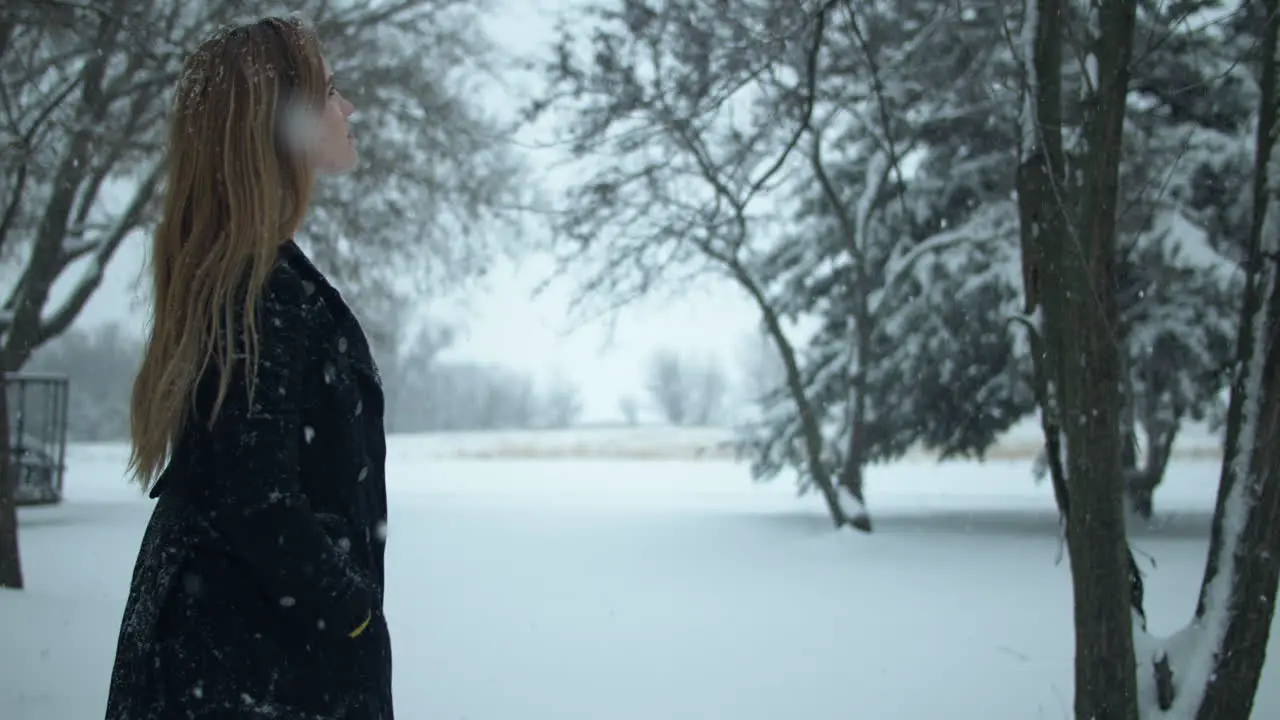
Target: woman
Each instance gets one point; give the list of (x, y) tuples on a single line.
[(256, 417)]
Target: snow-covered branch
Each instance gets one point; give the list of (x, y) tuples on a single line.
[(902, 264)]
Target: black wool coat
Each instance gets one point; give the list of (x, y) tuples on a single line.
[(264, 552)]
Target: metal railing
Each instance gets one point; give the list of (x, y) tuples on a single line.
[(37, 405)]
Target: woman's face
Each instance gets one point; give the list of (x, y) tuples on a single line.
[(333, 147)]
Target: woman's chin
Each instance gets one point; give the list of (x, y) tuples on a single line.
[(343, 166)]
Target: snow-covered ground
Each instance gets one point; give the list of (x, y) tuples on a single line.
[(651, 442), (625, 589)]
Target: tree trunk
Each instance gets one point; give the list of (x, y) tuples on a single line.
[(811, 431), (1092, 392), (1237, 598), (10, 556), (1142, 479), (1238, 595), (1140, 493), (851, 479), (1069, 226), (855, 459)]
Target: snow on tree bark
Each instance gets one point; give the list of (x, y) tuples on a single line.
[(1213, 666)]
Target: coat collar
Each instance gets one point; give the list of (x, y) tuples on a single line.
[(293, 255)]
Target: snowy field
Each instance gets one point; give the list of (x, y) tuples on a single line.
[(671, 443), (596, 589)]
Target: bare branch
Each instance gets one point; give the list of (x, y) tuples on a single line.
[(129, 221)]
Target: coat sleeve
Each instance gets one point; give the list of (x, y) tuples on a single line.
[(259, 506)]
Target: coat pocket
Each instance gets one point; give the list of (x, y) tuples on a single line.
[(344, 538)]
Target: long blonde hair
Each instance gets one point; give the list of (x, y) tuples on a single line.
[(235, 191)]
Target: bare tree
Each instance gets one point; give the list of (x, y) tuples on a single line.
[(453, 395), (75, 90), (710, 391), (630, 409), (679, 192), (709, 125), (667, 387), (686, 391), (562, 401)]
